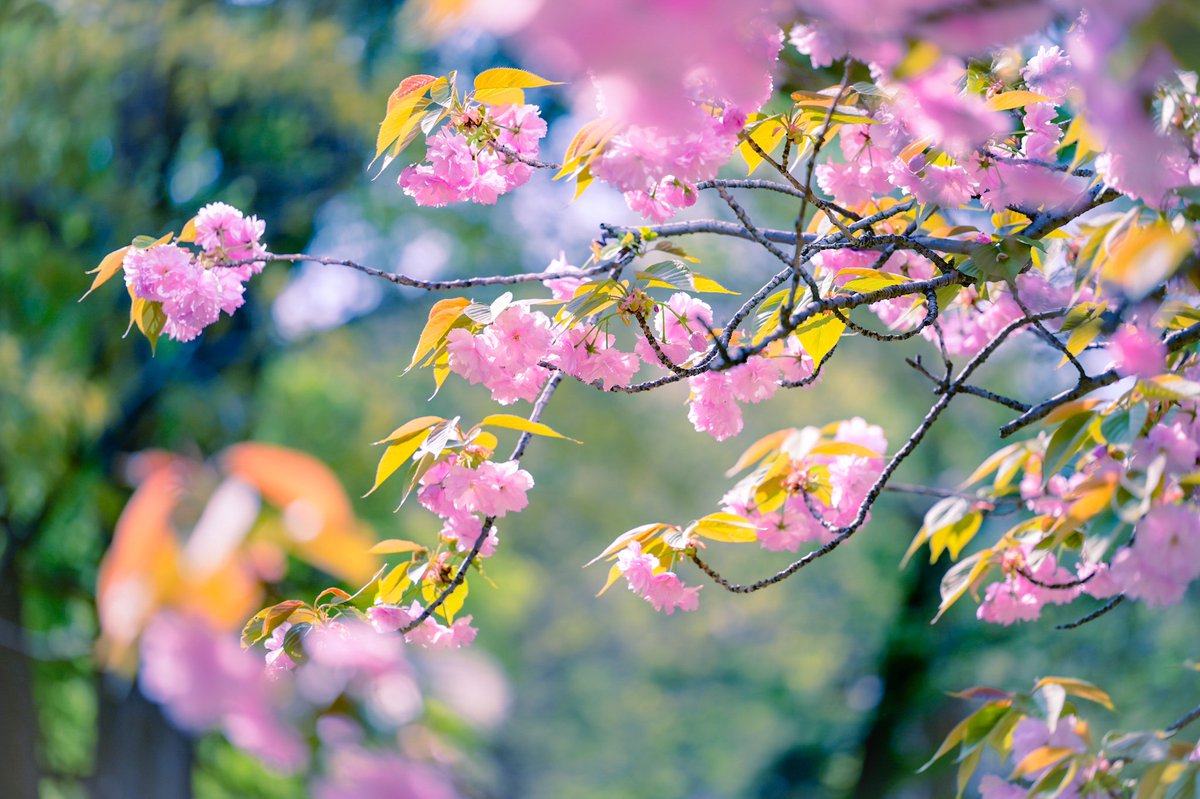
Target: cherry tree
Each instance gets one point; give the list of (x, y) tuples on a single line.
[(983, 178)]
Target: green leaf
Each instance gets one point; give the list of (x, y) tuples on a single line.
[(1067, 440), (999, 260)]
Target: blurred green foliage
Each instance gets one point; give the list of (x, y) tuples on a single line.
[(122, 118)]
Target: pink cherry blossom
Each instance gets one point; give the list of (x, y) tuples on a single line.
[(859, 431), (355, 771), (226, 233), (637, 567), (492, 489), (1048, 72), (681, 329), (992, 787), (591, 356), (1164, 557), (712, 407), (1041, 134), (667, 593), (1138, 352), (456, 170), (464, 530), (204, 680), (505, 355), (563, 288), (277, 657)]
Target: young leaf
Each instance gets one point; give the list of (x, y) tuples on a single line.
[(820, 334), (726, 527), (1006, 101), (395, 546), (107, 268), (395, 456), (442, 317), (452, 604), (409, 429), (760, 449), (503, 85), (512, 422)]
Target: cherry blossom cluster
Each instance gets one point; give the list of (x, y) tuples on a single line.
[(1156, 565), (1141, 159), (820, 488), (650, 579), (472, 159), (194, 288), (713, 405), (657, 170), (205, 681)]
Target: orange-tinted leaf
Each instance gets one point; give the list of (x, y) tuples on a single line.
[(107, 268)]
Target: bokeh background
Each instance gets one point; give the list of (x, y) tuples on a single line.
[(123, 118)]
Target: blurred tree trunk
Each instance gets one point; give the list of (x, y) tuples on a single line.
[(903, 670), (138, 753), (18, 717)]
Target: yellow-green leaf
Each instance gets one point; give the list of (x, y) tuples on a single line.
[(866, 280), (767, 134), (726, 527), (760, 449), (1079, 688), (403, 116), (396, 456), (409, 429), (820, 334), (188, 234), (1014, 99), (1040, 758), (395, 546), (454, 602), (394, 584), (511, 422), (836, 448), (442, 317)]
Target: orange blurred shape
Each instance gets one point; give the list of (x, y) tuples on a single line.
[(195, 538)]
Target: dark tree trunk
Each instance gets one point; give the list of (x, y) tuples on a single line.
[(18, 718), (903, 669), (139, 753)]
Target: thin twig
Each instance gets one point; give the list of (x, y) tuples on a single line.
[(1118, 599)]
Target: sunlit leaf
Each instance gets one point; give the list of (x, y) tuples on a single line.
[(442, 317), (819, 335), (109, 266), (395, 546), (512, 422), (726, 527), (1006, 101), (503, 85)]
